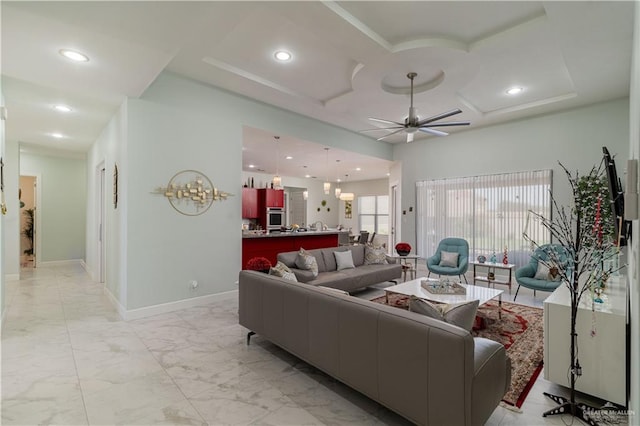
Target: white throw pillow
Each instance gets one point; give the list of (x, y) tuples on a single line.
[(461, 314), (374, 255), (547, 274), (448, 258), (344, 260), (283, 271), (307, 261)]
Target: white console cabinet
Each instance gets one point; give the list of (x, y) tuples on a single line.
[(602, 357)]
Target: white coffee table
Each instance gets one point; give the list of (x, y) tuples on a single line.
[(414, 288)]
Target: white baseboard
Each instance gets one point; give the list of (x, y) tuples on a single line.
[(164, 308), (180, 304), (61, 262), (115, 302), (12, 277)]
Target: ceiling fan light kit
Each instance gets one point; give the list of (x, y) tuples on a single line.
[(413, 124)]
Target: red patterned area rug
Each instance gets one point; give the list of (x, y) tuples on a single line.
[(519, 330)]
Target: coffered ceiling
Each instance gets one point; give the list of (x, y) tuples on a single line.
[(349, 60)]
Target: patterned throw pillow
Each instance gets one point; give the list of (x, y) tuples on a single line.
[(283, 271), (449, 259), (547, 273), (374, 255), (461, 314), (344, 260), (307, 261)]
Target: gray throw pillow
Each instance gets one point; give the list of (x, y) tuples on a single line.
[(374, 255), (344, 260), (306, 261), (283, 271), (462, 314), (448, 258)]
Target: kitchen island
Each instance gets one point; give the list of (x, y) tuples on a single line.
[(269, 245)]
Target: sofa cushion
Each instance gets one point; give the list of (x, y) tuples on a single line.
[(374, 255), (307, 261), (344, 260), (460, 314), (449, 259), (358, 254), (283, 271)]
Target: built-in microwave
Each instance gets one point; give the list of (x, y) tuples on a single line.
[(275, 218)]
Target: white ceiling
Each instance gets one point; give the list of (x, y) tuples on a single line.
[(564, 54)]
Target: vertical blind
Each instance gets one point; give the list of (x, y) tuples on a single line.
[(490, 212)]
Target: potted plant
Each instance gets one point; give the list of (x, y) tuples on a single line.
[(260, 264), (27, 232)]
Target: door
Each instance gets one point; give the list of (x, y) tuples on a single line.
[(28, 200), (395, 226), (101, 219)]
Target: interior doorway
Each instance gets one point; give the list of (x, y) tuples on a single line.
[(101, 252), (27, 194)]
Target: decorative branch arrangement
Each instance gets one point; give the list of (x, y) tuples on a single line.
[(588, 244)]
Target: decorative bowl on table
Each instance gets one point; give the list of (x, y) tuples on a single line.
[(403, 249), (482, 259)]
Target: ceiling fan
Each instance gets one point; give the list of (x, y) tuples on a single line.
[(413, 123)]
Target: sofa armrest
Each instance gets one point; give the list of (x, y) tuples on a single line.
[(302, 275), (491, 378)]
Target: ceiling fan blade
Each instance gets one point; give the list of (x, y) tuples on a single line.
[(380, 120), (439, 116), (380, 128), (433, 131), (451, 123), (409, 137), (392, 133)]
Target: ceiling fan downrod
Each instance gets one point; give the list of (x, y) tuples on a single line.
[(413, 116)]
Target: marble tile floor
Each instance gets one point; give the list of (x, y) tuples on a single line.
[(68, 358)]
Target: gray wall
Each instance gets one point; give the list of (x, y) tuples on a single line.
[(574, 138), (63, 195)]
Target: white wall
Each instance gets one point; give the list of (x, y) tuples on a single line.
[(179, 124), (63, 195), (109, 150), (634, 248), (573, 137), (2, 225), (12, 218), (360, 189)]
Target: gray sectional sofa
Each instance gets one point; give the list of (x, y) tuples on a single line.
[(428, 371), (347, 279)]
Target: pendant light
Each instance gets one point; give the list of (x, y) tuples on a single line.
[(327, 184), (277, 180), (338, 191)]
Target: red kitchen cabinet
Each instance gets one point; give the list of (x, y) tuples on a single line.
[(273, 197), (250, 203)]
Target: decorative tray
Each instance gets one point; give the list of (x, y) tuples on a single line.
[(439, 287)]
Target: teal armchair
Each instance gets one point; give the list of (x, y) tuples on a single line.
[(452, 245), (525, 275)]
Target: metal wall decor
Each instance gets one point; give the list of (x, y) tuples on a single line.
[(191, 193), (115, 186)]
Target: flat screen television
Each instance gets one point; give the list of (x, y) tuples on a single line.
[(616, 198)]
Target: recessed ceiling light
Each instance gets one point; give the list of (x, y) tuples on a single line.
[(288, 157), (57, 135), (358, 169), (388, 174), (282, 55), (74, 56), (339, 180), (514, 90), (62, 108), (251, 166), (307, 176)]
